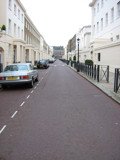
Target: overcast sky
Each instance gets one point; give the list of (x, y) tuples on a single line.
[(58, 20)]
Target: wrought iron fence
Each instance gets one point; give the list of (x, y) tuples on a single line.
[(116, 80), (97, 72), (1, 67)]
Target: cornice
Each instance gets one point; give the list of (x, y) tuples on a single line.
[(21, 5), (111, 44)]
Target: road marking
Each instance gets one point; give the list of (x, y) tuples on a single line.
[(35, 88), (37, 84), (41, 80), (28, 96), (14, 114), (22, 104), (3, 129), (32, 91)]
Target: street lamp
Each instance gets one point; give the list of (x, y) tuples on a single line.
[(67, 56), (78, 40)]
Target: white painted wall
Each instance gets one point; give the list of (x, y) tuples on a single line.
[(15, 19), (113, 28)]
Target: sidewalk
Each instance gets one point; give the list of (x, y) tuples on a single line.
[(107, 88)]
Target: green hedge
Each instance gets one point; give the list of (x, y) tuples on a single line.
[(88, 62), (74, 58)]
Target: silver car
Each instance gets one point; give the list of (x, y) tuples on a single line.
[(19, 73)]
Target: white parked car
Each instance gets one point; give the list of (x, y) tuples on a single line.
[(18, 73)]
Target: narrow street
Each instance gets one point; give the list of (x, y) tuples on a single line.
[(64, 117)]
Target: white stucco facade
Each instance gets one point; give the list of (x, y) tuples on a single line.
[(84, 35), (12, 42), (105, 19), (105, 39), (21, 42)]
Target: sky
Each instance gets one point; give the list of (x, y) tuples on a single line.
[(58, 20)]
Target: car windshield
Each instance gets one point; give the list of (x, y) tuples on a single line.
[(16, 68)]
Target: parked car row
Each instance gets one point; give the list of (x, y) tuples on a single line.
[(52, 60), (44, 64), (22, 73)]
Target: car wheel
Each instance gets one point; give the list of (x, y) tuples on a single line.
[(37, 79), (31, 83)]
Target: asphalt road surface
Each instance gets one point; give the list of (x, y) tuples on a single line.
[(64, 117)]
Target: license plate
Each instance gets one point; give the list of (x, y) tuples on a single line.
[(12, 78)]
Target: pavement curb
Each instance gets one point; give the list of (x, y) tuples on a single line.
[(108, 92)]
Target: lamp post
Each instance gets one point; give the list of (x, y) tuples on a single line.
[(78, 40), (67, 56)]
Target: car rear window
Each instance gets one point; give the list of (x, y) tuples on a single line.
[(16, 68), (42, 62)]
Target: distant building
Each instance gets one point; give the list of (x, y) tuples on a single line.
[(84, 45), (71, 47), (84, 36), (58, 51)]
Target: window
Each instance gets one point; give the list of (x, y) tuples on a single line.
[(26, 24), (94, 30), (10, 4), (97, 26), (9, 50), (22, 17), (18, 14), (102, 3), (14, 9), (117, 37), (25, 36), (22, 33), (106, 19), (111, 39), (9, 27), (94, 11), (99, 56), (14, 30), (112, 14), (101, 24), (98, 7), (118, 9), (18, 32)]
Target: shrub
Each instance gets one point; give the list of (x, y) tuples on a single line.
[(74, 58), (88, 62), (3, 27)]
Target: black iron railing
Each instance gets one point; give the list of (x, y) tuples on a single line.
[(1, 67), (116, 80)]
